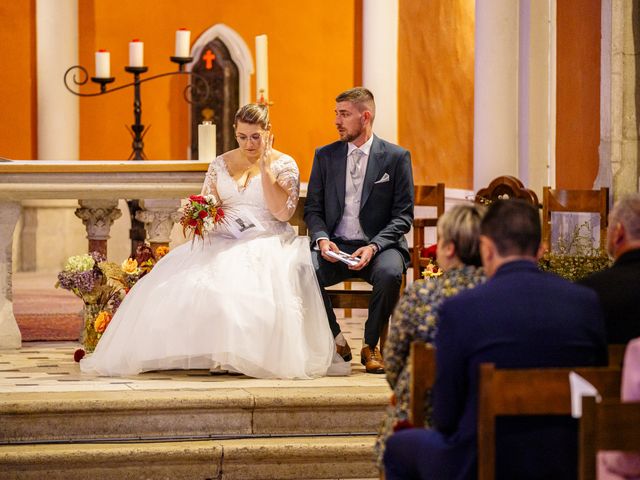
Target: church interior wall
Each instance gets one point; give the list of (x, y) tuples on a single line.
[(578, 93), (18, 86), (311, 48), (435, 85)]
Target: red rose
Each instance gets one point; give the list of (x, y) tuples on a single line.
[(430, 251), (193, 222), (402, 425), (198, 199), (78, 355), (219, 215), (202, 214)]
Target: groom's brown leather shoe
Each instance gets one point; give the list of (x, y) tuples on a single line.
[(344, 351), (371, 359)]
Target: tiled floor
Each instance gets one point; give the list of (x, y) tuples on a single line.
[(49, 366)]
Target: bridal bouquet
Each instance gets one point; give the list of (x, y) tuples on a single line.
[(432, 269), (201, 214)]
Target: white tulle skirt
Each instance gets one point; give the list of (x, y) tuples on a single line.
[(253, 306)]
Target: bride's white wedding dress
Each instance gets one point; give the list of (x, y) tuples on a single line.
[(252, 305)]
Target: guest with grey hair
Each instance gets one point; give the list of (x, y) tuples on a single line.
[(416, 316), (618, 287)]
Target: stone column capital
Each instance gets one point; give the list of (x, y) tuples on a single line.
[(98, 216), (159, 216)]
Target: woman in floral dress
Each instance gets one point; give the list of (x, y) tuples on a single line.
[(416, 316)]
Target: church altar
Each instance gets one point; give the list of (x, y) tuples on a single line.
[(97, 185)]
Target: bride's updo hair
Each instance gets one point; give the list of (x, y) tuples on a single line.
[(254, 114)]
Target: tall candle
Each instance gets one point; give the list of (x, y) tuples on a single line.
[(262, 69), (206, 142), (103, 64), (136, 53), (183, 39)]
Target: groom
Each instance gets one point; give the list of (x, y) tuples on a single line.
[(360, 201)]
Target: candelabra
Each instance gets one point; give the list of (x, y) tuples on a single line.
[(196, 92)]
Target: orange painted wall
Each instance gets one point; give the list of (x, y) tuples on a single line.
[(578, 93), (435, 80), (311, 52), (18, 86)]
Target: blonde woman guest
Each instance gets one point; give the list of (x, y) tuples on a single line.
[(249, 303), (416, 316)]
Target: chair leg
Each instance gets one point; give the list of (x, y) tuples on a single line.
[(347, 311)]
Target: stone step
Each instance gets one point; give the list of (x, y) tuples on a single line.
[(328, 457), (169, 414)]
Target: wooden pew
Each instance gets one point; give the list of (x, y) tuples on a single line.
[(422, 362), (532, 391), (609, 425), (616, 354)]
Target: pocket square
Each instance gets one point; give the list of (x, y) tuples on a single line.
[(385, 178)]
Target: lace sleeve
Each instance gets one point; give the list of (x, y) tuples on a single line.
[(210, 180), (288, 177)]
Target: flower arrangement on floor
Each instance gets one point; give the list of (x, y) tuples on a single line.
[(574, 257), (431, 269), (102, 285), (201, 214)]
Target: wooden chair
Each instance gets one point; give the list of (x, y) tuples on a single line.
[(422, 361), (345, 298), (506, 187), (425, 196), (532, 391), (590, 201), (616, 354), (608, 425)]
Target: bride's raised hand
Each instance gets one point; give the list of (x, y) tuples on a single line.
[(265, 158)]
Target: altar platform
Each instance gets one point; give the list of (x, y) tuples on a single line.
[(56, 422)]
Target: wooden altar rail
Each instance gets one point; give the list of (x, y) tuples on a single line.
[(97, 185)]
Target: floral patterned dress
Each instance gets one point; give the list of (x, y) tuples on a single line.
[(416, 318)]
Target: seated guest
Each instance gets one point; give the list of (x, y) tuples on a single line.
[(520, 318), (416, 316), (619, 286), (624, 465)]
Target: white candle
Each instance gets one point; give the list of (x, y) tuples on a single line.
[(262, 69), (103, 64), (136, 53), (183, 40), (206, 142)]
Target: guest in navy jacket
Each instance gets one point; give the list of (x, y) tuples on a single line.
[(521, 318)]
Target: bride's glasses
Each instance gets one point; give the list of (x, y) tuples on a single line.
[(255, 138)]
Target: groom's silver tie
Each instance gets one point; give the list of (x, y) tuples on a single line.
[(355, 167)]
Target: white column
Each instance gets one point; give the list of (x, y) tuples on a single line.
[(536, 91), (495, 138), (380, 63), (10, 336), (57, 50)]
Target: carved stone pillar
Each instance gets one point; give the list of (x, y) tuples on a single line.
[(159, 216), (9, 332), (98, 216)]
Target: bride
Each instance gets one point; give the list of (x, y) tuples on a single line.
[(250, 305)]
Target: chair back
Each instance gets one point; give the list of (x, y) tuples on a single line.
[(505, 187), (425, 196), (531, 391), (422, 362), (608, 425), (616, 354), (297, 220), (589, 201)]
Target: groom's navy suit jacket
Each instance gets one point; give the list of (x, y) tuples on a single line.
[(386, 208), (520, 318)]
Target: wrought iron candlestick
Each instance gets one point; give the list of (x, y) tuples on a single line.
[(197, 91)]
